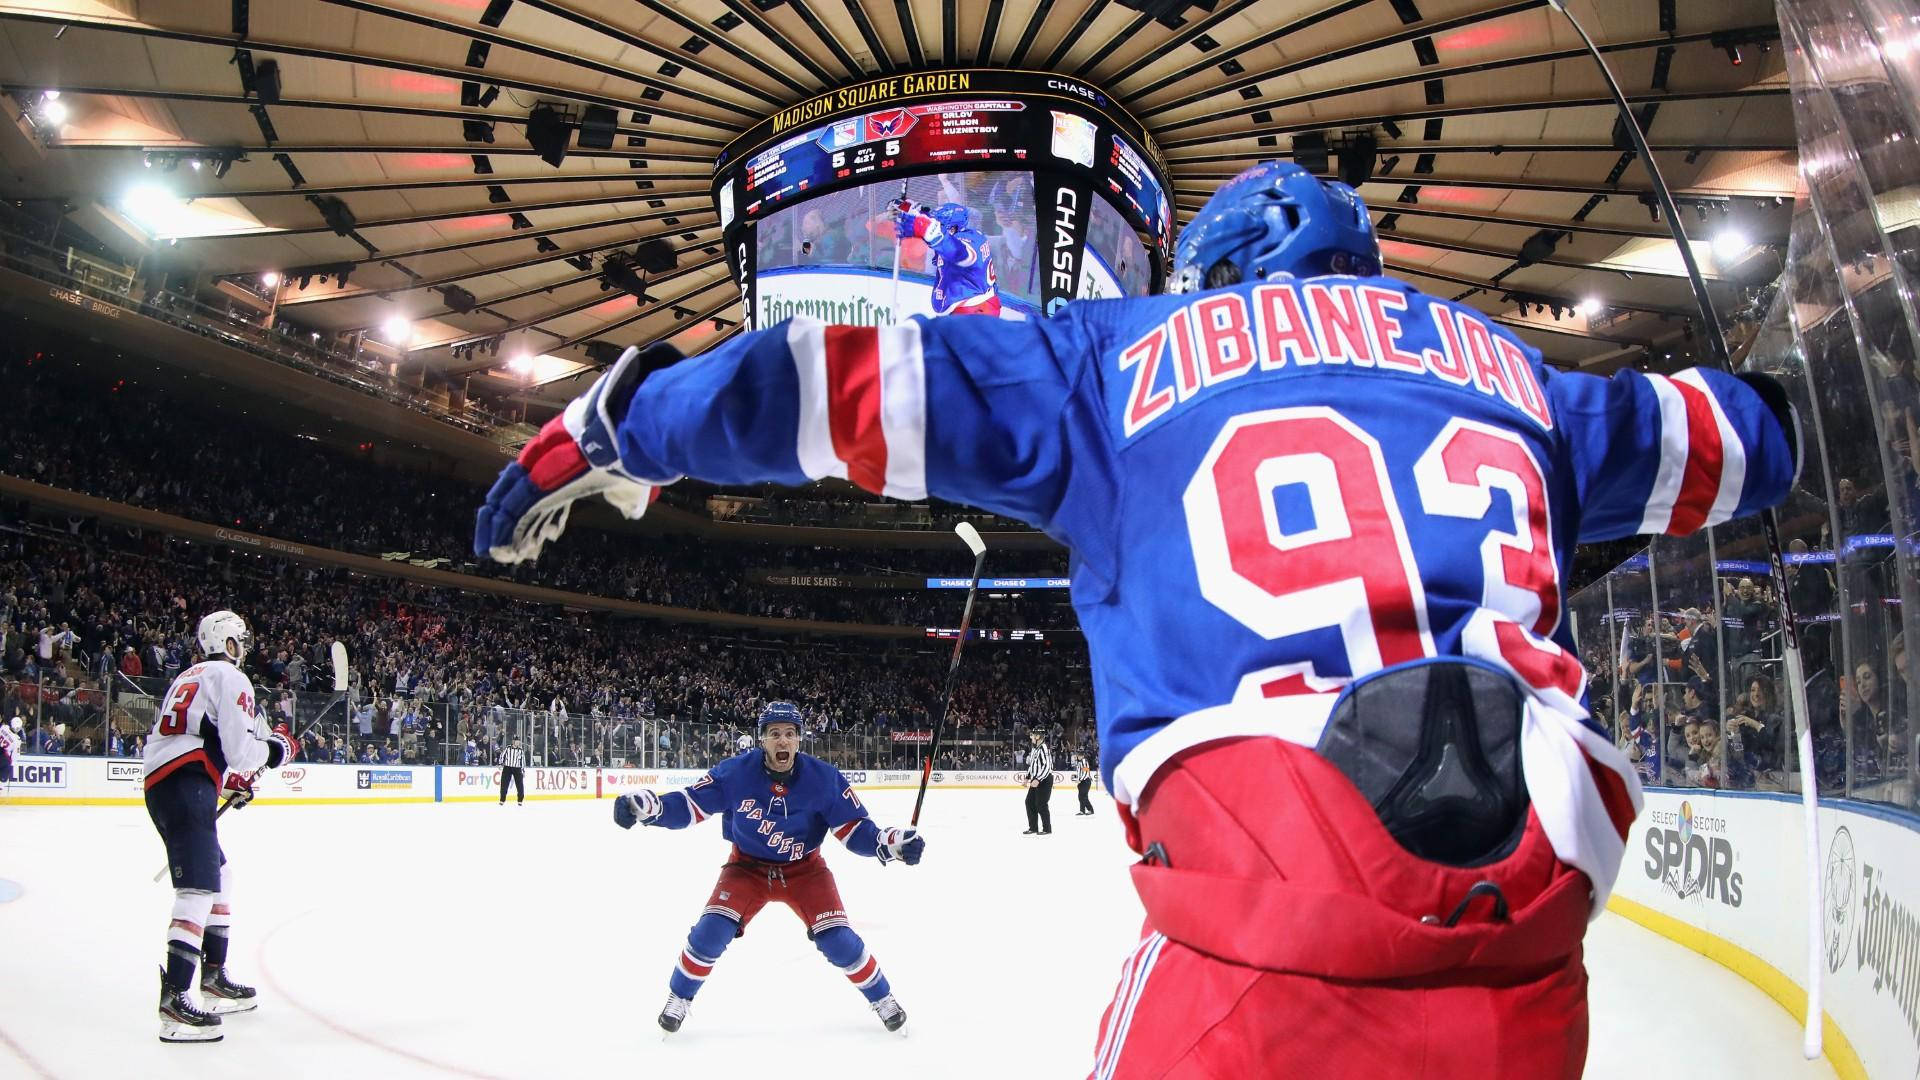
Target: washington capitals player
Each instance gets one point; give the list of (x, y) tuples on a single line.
[(963, 277), (204, 730), (776, 805), (1318, 522)]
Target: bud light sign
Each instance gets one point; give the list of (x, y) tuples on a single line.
[(40, 773)]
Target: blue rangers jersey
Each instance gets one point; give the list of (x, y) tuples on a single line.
[(1269, 490), (963, 276), (772, 820)]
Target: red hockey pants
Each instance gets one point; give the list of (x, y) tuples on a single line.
[(1288, 935)]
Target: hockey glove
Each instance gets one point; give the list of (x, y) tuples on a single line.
[(282, 747), (239, 790), (903, 844), (911, 225), (639, 808), (576, 456)]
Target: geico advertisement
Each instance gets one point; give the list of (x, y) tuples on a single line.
[(1871, 929)]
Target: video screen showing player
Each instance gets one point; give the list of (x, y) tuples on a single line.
[(833, 256), (1114, 247)]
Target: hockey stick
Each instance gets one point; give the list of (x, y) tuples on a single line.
[(1810, 1044), (971, 537), (899, 243)]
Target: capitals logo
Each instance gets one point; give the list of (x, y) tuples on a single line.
[(888, 124)]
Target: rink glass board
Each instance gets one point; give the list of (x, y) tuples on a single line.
[(1062, 181)]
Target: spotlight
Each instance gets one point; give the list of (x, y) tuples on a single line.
[(397, 330), (520, 364), (1729, 244), (1590, 306), (487, 96), (1733, 54), (195, 162), (53, 111), (269, 279)]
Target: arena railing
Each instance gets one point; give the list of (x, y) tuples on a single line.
[(362, 727)]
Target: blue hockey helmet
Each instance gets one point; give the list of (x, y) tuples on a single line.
[(1275, 218), (780, 712), (952, 216)]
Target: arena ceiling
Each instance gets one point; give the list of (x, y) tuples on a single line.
[(1493, 130)]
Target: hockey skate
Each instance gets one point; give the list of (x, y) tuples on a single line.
[(224, 996), (181, 1021), (675, 1012), (890, 1013)]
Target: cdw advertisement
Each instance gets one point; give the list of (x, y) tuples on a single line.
[(1734, 865)]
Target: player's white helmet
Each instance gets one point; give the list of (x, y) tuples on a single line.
[(220, 628), (19, 724)]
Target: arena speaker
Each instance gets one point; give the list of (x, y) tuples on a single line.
[(266, 82), (1356, 157), (1310, 151), (547, 132), (654, 256), (596, 127)]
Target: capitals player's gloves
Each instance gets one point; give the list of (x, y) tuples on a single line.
[(282, 748), (639, 808), (903, 844), (239, 790), (575, 456)]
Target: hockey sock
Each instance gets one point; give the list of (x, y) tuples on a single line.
[(844, 950), (705, 942), (191, 908), (214, 946)]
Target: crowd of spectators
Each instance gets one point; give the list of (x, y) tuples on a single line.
[(446, 676), (1694, 693), (246, 471)]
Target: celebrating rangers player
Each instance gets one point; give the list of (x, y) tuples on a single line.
[(1318, 524), (205, 730), (963, 277), (776, 805)]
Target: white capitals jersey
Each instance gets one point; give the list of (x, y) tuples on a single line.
[(9, 743), (206, 719)]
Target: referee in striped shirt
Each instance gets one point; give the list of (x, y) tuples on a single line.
[(1039, 787), (513, 762)]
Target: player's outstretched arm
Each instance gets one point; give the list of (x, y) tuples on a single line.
[(1655, 454), (982, 412), (863, 837), (674, 810)]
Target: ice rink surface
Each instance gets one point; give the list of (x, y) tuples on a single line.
[(473, 940)]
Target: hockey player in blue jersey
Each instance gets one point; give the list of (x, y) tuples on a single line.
[(776, 806), (963, 277), (1318, 523)]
